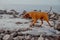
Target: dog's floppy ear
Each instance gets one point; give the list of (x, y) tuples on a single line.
[(26, 15)]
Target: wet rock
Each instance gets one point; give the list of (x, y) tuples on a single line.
[(7, 37)]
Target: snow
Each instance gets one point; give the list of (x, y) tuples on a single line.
[(10, 24)]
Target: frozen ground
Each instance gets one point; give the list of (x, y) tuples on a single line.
[(10, 23)]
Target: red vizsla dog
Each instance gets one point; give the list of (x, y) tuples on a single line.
[(37, 15)]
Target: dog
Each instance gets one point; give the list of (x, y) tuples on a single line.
[(35, 15)]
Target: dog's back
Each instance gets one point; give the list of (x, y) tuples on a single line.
[(38, 15)]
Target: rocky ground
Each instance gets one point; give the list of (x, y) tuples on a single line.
[(15, 28)]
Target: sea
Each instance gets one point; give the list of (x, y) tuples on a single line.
[(21, 7)]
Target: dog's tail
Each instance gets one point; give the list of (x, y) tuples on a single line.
[(50, 9)]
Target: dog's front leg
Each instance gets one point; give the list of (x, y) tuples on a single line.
[(33, 22)]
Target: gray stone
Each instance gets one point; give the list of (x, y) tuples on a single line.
[(14, 34), (2, 31), (1, 37), (57, 26), (7, 32), (20, 34), (7, 37), (18, 22), (16, 38), (32, 38), (28, 37), (21, 37)]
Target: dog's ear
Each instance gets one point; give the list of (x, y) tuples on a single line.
[(26, 15)]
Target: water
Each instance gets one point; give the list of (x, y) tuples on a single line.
[(20, 8)]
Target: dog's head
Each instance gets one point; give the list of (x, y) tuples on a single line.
[(27, 16)]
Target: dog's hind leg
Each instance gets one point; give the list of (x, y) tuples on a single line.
[(49, 23), (41, 22), (47, 20)]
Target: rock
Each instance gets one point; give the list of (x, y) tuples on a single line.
[(40, 38), (32, 38), (59, 18), (26, 22), (7, 32), (18, 23), (2, 34), (51, 37), (35, 38), (55, 18), (21, 37), (25, 29), (14, 34), (3, 11), (28, 37), (52, 15), (23, 13), (7, 37), (57, 27), (15, 38), (1, 37), (2, 31), (20, 34)]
